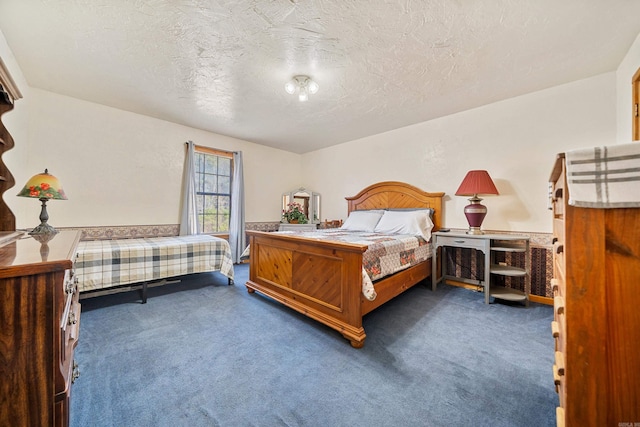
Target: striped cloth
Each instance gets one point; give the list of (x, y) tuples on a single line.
[(104, 264), (604, 177)]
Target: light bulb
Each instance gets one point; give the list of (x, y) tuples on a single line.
[(290, 87), (313, 87), (303, 96)]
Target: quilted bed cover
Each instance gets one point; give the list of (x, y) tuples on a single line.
[(386, 253), (102, 264)]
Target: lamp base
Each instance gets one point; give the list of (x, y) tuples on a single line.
[(43, 229), (474, 230), (475, 213)]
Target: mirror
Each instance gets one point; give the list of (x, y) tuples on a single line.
[(309, 201)]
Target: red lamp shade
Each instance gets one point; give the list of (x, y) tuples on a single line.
[(474, 183)]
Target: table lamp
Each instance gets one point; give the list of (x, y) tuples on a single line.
[(43, 186), (474, 183)]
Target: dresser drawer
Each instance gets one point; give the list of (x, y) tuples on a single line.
[(557, 201), (558, 381), (557, 286), (558, 231), (558, 331), (560, 420), (461, 242)]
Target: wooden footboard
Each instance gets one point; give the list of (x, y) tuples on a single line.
[(322, 280)]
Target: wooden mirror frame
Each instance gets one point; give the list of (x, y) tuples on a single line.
[(312, 205)]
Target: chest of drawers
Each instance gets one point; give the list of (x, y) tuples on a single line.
[(40, 316), (596, 286)]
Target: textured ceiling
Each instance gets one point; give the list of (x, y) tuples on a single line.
[(381, 64)]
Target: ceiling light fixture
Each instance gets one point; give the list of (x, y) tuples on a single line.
[(303, 85)]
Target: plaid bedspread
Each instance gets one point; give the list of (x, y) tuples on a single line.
[(103, 264), (386, 253)]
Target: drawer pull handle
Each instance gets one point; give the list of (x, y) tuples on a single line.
[(560, 249), (556, 377), (72, 318), (555, 329), (554, 285), (69, 288), (558, 304), (459, 241), (559, 366), (75, 373), (554, 240)]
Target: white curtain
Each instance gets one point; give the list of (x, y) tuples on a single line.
[(189, 216), (237, 239)]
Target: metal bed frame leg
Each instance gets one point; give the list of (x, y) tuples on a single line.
[(144, 292)]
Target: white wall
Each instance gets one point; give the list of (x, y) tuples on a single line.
[(624, 74), (121, 168), (515, 140)]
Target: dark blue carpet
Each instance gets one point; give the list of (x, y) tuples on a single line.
[(201, 353)]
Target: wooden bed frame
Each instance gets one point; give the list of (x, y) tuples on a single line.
[(323, 279)]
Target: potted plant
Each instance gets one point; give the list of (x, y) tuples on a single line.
[(294, 215)]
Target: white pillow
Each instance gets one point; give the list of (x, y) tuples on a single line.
[(417, 223), (362, 220)]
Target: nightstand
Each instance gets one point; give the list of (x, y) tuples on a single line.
[(489, 245), (297, 227)]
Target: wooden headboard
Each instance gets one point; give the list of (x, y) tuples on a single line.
[(397, 195)]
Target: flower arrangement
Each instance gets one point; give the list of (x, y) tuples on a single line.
[(293, 214)]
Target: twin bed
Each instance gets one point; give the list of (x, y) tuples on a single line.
[(109, 266), (323, 279)]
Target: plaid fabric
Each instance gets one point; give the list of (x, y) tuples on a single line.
[(386, 253), (604, 177), (107, 263)]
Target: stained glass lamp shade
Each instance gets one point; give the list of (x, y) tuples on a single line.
[(43, 186)]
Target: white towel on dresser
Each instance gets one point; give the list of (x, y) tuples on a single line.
[(604, 177)]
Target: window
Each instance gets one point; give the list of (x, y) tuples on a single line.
[(213, 189)]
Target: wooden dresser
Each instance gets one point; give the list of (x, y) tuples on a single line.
[(596, 289), (40, 317)]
